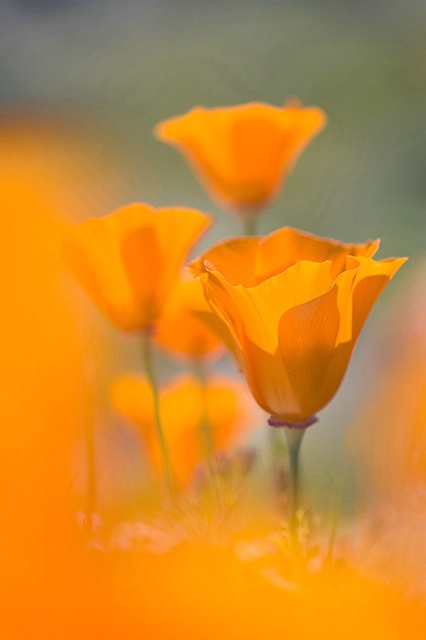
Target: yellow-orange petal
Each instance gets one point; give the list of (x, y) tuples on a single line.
[(235, 259), (91, 252), (177, 228), (180, 327), (371, 279), (242, 153), (255, 312), (249, 261), (286, 246), (252, 316), (128, 261), (307, 345), (316, 339), (220, 329), (144, 280), (268, 380)]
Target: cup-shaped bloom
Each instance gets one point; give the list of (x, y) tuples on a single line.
[(129, 261), (181, 328), (294, 305), (184, 404), (243, 153)]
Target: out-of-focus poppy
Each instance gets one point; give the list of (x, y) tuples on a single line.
[(184, 404), (390, 430), (46, 587), (181, 328), (243, 153), (295, 305), (129, 261)]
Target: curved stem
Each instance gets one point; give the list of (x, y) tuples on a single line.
[(152, 379)]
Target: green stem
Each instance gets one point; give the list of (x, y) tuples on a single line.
[(152, 379), (335, 513), (294, 438), (206, 432), (276, 451), (206, 435), (250, 223)]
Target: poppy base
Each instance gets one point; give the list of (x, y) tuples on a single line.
[(276, 421)]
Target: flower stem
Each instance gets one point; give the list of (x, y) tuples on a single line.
[(250, 223), (335, 513), (152, 379), (294, 438), (206, 431)]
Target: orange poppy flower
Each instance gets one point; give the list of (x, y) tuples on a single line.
[(182, 406), (129, 261), (181, 327), (243, 153), (295, 305)]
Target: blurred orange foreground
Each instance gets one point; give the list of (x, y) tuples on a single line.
[(51, 588)]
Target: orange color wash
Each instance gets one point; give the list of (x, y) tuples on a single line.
[(44, 580)]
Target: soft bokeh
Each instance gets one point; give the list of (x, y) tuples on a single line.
[(185, 309), (198, 419), (82, 88), (42, 399)]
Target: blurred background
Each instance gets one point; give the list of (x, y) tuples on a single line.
[(83, 83)]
